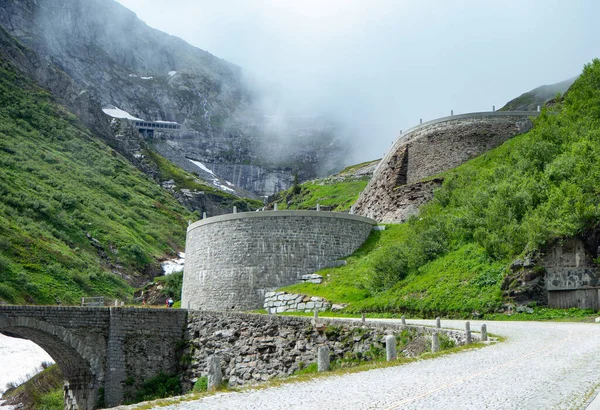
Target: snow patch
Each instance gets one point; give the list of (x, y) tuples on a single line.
[(226, 188), (216, 182), (173, 265), (146, 78), (172, 73), (132, 75), (201, 166), (166, 122), (119, 113), (18, 359)]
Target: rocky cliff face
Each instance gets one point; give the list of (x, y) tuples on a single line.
[(124, 63)]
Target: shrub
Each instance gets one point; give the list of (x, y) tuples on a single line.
[(159, 386), (201, 384)]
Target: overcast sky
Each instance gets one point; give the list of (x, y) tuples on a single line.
[(378, 65)]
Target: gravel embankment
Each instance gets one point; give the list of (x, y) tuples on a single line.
[(540, 366)]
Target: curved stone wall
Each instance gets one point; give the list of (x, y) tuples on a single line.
[(231, 261), (431, 148)]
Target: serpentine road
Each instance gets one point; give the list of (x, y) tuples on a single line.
[(539, 366)]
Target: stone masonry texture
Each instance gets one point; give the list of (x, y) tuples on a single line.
[(233, 260), (101, 349), (254, 348), (427, 150)]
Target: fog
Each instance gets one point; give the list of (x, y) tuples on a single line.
[(379, 66)]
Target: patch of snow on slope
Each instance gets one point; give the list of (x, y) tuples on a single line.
[(201, 166), (146, 78), (119, 113), (215, 180), (226, 188), (173, 265), (132, 75), (172, 73)]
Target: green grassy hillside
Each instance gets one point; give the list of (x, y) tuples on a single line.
[(336, 193), (453, 256), (72, 211)]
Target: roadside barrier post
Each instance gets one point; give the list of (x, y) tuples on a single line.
[(214, 372), (468, 332), (323, 359), (390, 348), (435, 342)]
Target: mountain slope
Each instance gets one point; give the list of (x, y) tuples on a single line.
[(509, 203), (154, 76), (335, 193), (539, 96), (76, 218)]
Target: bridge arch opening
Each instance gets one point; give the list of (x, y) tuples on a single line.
[(69, 353)]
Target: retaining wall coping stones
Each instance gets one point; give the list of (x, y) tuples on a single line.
[(481, 114), (376, 325), (271, 214)]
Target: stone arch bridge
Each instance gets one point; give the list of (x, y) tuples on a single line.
[(104, 353)]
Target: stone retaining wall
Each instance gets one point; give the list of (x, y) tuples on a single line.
[(254, 348), (233, 260), (431, 148), (279, 302)]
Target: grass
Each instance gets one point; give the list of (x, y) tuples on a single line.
[(336, 193), (336, 196), (450, 260), (72, 211)]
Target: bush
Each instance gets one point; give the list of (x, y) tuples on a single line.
[(201, 384), (158, 387)]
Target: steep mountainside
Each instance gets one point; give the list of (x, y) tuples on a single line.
[(154, 76), (539, 96), (76, 218)]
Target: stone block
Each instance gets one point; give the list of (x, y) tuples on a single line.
[(323, 359)]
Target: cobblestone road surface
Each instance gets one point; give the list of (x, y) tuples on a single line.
[(539, 366)]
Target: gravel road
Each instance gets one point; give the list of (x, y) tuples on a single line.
[(539, 366)]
